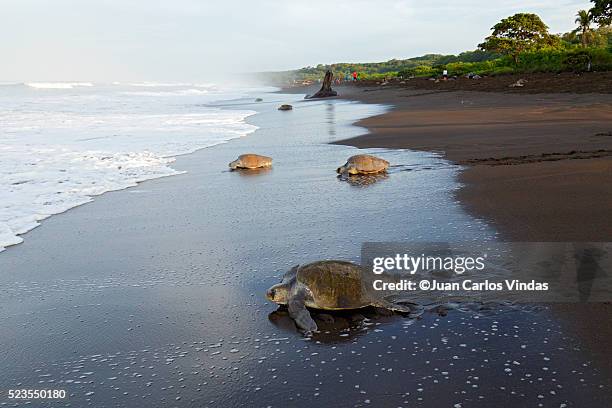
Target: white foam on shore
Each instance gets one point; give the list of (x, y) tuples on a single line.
[(178, 92), (58, 85), (57, 151), (148, 84)]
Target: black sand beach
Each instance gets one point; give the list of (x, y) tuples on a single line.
[(532, 156), (154, 296)]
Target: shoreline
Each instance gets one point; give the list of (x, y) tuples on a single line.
[(173, 272), (155, 294), (50, 175), (533, 196), (536, 166)]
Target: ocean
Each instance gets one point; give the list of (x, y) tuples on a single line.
[(61, 143)]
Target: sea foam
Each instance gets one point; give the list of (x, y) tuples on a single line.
[(58, 85), (59, 150)]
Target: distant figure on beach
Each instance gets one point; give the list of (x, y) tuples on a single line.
[(445, 74), (354, 76), (347, 77)]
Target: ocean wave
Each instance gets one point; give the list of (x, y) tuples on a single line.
[(60, 150), (148, 84), (59, 179), (58, 85), (179, 92)]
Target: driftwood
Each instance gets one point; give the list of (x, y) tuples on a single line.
[(326, 91)]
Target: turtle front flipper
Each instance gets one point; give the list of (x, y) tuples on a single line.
[(299, 313)]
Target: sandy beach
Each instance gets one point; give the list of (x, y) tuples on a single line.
[(154, 295), (538, 166), (222, 205)]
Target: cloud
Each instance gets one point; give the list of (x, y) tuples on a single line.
[(191, 39)]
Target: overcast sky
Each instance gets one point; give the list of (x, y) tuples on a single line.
[(185, 40)]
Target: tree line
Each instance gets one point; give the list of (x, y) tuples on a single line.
[(518, 43)]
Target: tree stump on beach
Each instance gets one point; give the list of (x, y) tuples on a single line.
[(326, 91)]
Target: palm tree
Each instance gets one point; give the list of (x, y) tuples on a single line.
[(584, 19)]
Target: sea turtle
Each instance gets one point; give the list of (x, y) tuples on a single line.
[(363, 164), (251, 161), (327, 285), (285, 107)]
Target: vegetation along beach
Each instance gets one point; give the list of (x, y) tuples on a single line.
[(176, 238)]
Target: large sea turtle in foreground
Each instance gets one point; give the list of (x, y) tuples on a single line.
[(363, 164), (251, 161), (327, 285)]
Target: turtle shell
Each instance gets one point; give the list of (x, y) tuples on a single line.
[(334, 285), (254, 161), (366, 163)]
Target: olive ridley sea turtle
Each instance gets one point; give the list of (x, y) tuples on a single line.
[(251, 161), (327, 285), (363, 164)]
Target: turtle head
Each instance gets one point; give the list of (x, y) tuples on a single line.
[(234, 165), (341, 169), (279, 293)]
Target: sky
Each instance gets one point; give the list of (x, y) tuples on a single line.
[(181, 40)]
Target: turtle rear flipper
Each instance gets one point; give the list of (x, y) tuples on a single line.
[(299, 313), (412, 311)]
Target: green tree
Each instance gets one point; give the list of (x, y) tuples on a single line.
[(602, 11), (584, 19), (518, 33)]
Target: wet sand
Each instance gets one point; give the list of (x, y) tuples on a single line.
[(536, 165), (154, 296), (539, 167)]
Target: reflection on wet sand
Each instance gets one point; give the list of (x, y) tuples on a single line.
[(330, 119), (253, 172), (343, 326), (337, 326), (363, 180)]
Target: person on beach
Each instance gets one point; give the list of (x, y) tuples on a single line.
[(354, 76), (445, 75)]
